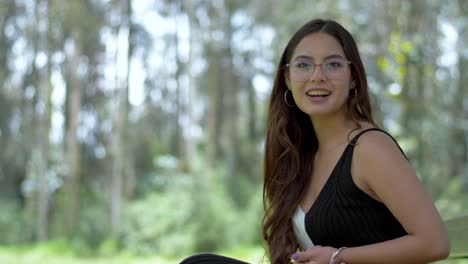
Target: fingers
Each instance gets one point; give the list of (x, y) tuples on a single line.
[(313, 255), (305, 256)]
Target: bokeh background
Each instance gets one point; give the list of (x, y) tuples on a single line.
[(132, 131)]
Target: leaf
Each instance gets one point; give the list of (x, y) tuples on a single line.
[(400, 58), (383, 63), (406, 47)]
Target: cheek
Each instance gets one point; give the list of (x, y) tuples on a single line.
[(343, 85), (296, 89)]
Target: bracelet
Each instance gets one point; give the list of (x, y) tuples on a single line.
[(332, 259)]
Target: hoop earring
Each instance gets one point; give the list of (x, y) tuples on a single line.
[(285, 97), (358, 107)]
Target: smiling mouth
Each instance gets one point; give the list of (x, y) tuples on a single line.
[(318, 93)]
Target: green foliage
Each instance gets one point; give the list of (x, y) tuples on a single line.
[(383, 63), (452, 201), (220, 223), (15, 228), (54, 247), (42, 254), (109, 247), (458, 234), (194, 213), (92, 230), (199, 85), (158, 223), (396, 64)]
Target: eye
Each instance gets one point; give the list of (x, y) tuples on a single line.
[(302, 65), (336, 64)]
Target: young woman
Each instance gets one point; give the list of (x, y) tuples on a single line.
[(337, 189), (332, 178)]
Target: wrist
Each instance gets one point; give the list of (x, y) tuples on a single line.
[(335, 257)]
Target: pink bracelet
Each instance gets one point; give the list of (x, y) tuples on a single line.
[(332, 259)]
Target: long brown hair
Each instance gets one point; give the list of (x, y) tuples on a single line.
[(291, 142)]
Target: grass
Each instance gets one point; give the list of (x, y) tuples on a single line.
[(458, 233), (60, 253), (51, 255)]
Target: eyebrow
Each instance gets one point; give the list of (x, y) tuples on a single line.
[(332, 56)]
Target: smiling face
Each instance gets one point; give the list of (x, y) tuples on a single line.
[(319, 76)]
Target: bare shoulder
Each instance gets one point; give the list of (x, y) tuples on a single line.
[(376, 145), (379, 163)]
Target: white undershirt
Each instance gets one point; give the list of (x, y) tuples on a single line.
[(298, 222)]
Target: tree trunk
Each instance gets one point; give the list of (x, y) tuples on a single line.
[(30, 124), (192, 93), (73, 156), (121, 158), (43, 139), (231, 134), (177, 140), (215, 107), (460, 133)]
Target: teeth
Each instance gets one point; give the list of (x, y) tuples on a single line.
[(318, 93)]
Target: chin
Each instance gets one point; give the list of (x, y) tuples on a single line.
[(316, 111), (320, 112)]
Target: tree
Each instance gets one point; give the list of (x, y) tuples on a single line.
[(121, 154), (44, 123)]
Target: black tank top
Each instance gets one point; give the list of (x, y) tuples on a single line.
[(344, 215)]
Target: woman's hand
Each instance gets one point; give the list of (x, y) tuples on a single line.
[(314, 255)]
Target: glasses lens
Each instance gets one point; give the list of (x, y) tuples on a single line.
[(301, 70), (333, 68)]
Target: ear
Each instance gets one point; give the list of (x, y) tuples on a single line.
[(353, 84)]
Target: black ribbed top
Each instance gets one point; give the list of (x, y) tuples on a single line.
[(343, 215)]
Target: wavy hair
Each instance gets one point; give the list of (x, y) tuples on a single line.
[(291, 142)]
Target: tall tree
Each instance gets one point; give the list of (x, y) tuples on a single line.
[(459, 155), (190, 142), (38, 80), (123, 61), (12, 156), (44, 117), (80, 42), (231, 88), (73, 153), (178, 139)]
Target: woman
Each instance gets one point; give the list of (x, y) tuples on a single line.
[(336, 188), (327, 164)]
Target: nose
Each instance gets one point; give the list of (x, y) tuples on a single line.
[(317, 74)]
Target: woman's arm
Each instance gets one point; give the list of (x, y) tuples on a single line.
[(382, 171)]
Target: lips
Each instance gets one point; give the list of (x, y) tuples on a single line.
[(318, 93)]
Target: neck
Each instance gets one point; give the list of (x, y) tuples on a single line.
[(332, 132)]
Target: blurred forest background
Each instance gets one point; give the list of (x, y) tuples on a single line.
[(138, 126)]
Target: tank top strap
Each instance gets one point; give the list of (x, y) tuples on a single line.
[(355, 139)]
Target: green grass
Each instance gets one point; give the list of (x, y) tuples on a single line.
[(58, 252), (43, 254), (458, 233), (58, 255), (30, 258)]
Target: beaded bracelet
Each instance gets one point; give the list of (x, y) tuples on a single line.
[(332, 259)]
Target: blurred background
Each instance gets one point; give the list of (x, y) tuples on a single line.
[(132, 131)]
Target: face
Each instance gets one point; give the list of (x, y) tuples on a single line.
[(319, 76)]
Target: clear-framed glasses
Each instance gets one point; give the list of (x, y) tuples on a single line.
[(302, 70)]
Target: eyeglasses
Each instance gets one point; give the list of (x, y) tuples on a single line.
[(302, 70)]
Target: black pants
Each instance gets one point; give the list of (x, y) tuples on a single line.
[(207, 258)]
